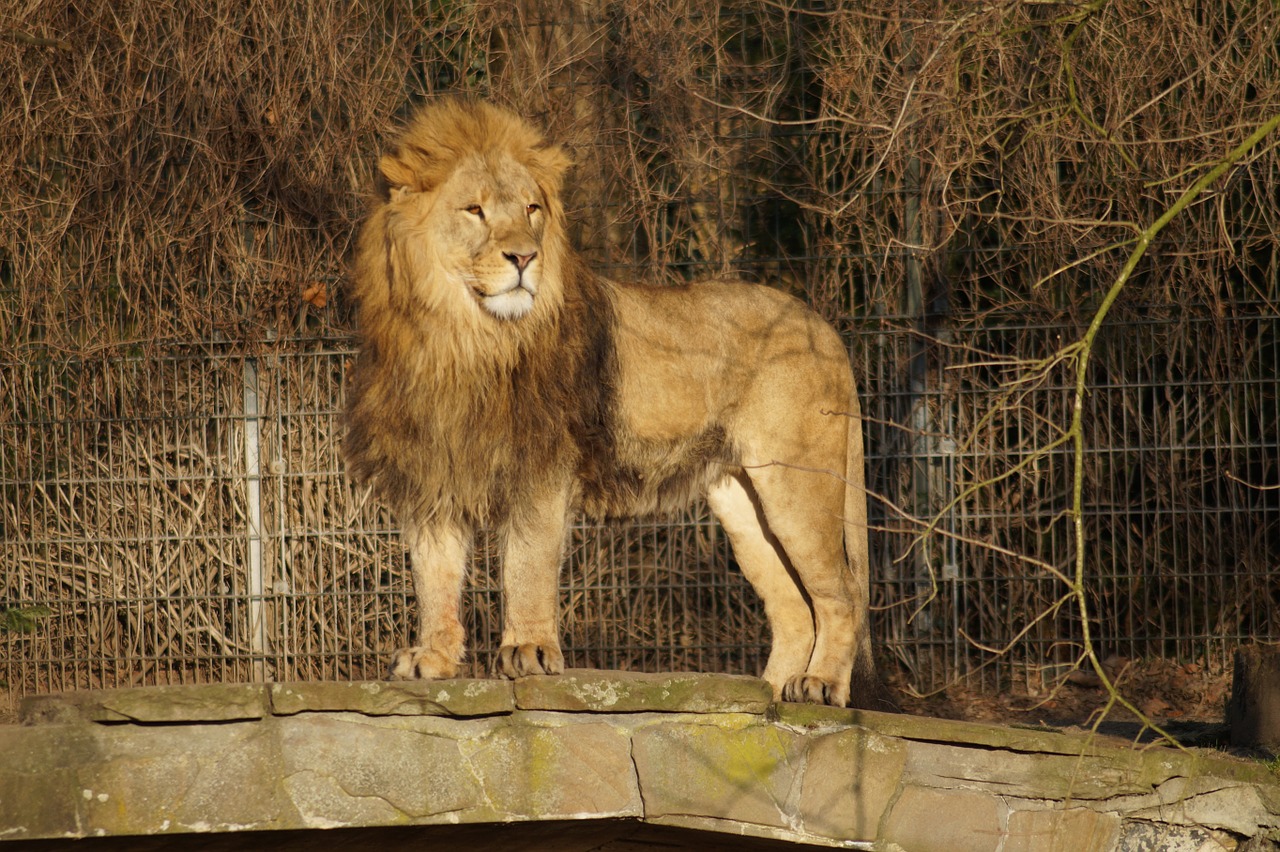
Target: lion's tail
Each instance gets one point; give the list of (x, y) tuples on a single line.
[(867, 690)]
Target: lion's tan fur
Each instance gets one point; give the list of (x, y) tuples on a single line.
[(501, 382)]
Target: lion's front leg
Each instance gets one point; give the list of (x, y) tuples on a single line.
[(534, 549), (438, 555)]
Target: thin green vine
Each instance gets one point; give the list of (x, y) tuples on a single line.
[(1081, 351)]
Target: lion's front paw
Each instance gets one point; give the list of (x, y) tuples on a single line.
[(530, 659), (814, 690), (420, 663)]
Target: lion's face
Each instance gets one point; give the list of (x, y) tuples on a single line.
[(481, 231)]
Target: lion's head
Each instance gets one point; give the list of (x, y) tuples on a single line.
[(472, 212), (466, 292)]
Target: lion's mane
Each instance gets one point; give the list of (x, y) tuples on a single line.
[(459, 421)]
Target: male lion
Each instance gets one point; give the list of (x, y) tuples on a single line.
[(501, 382)]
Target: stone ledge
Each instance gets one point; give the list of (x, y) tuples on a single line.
[(1040, 740), (592, 691), (576, 691), (461, 698), (695, 751), (169, 704)]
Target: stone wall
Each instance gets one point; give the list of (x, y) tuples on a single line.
[(688, 752)]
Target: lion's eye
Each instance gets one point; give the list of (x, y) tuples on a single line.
[(475, 210), (530, 209)]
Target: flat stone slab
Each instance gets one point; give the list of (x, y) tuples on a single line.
[(686, 752), (196, 703), (592, 691), (459, 698)]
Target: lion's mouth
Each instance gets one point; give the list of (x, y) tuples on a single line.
[(511, 303), (482, 295)]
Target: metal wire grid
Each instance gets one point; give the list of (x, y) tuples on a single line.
[(1181, 512), (185, 519)]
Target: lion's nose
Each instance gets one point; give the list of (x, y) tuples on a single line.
[(520, 260)]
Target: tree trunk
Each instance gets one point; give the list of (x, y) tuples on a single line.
[(1253, 712)]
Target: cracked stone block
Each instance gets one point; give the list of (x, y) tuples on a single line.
[(1138, 836), (343, 769), (38, 787), (849, 780), (1207, 801), (578, 770), (1106, 773), (925, 819), (1062, 830), (749, 773), (179, 778), (462, 697), (595, 691), (942, 731)]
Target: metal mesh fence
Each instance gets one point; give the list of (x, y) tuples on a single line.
[(1182, 518), (185, 518)]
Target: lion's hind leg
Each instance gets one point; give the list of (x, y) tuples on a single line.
[(438, 556), (763, 562), (804, 512)]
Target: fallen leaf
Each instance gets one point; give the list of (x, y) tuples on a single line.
[(1084, 678), (1156, 707), (316, 294)]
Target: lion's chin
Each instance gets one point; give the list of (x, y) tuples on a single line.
[(509, 305)]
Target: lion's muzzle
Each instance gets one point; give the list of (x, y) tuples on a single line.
[(511, 303)]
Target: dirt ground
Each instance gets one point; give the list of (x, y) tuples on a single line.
[(1185, 699)]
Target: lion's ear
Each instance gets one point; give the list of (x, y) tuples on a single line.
[(547, 164), (553, 160), (396, 173)]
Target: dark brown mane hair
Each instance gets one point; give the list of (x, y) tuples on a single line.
[(461, 420)]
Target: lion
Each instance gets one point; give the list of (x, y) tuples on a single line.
[(501, 383)]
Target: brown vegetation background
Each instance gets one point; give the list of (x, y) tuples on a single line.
[(953, 184)]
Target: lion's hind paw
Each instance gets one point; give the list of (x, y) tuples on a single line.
[(530, 659)]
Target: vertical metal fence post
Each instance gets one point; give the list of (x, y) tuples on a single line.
[(913, 309), (253, 518)]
